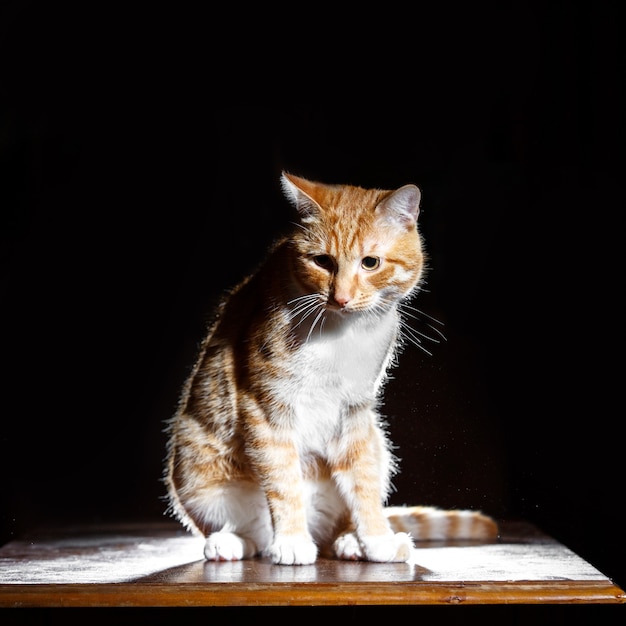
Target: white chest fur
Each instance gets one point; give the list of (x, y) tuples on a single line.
[(335, 371), (351, 358)]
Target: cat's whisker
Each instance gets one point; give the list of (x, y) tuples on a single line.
[(378, 310), (405, 308), (305, 306), (322, 324), (302, 301), (414, 336), (404, 312), (311, 311), (306, 296), (421, 334), (315, 321), (437, 331), (408, 334), (305, 311)]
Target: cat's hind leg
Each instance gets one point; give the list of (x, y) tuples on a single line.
[(392, 548), (226, 546), (234, 519)]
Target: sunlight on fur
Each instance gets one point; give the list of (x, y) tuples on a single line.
[(278, 448)]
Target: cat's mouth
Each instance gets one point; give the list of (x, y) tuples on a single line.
[(340, 309)]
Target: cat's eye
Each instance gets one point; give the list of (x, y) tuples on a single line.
[(324, 261), (370, 262)]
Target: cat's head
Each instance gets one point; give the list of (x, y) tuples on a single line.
[(355, 249)]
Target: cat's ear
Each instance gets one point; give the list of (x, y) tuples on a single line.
[(402, 206), (298, 190)]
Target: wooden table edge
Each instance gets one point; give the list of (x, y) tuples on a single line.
[(301, 594)]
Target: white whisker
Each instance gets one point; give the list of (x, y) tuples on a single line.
[(406, 307), (306, 305), (413, 335), (437, 331), (322, 324), (407, 333), (315, 321)]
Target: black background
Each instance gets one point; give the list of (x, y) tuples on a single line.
[(140, 154)]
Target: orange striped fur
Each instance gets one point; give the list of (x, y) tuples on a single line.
[(277, 447)]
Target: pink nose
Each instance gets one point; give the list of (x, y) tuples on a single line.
[(341, 299)]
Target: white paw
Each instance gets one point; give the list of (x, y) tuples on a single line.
[(293, 550), (228, 547), (394, 548), (348, 548)]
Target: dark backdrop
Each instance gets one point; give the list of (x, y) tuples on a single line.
[(140, 154)]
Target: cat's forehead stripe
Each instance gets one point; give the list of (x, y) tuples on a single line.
[(345, 240)]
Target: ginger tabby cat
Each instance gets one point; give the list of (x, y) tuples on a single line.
[(277, 448)]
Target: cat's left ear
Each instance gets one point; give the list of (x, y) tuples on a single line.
[(402, 206)]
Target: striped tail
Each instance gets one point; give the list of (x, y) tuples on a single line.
[(426, 523)]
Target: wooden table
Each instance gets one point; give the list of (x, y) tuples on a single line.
[(159, 565)]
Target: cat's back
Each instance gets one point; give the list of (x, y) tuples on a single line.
[(253, 307)]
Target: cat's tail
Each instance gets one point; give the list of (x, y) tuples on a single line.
[(426, 523)]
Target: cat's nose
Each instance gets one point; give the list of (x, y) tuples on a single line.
[(342, 299), (343, 290)]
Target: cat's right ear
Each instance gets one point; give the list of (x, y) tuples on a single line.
[(294, 189)]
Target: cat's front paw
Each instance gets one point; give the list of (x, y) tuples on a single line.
[(293, 550), (228, 547), (392, 548), (348, 548)]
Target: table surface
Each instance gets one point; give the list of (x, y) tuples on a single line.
[(160, 565)]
